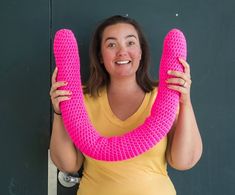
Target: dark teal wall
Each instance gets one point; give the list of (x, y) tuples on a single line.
[(24, 102), (209, 26), (26, 65)]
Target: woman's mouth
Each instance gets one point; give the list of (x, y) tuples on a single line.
[(122, 62)]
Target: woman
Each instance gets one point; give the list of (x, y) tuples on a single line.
[(118, 97)]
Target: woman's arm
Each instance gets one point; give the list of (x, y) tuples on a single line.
[(62, 150), (184, 141)]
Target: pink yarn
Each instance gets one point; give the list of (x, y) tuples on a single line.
[(139, 140)]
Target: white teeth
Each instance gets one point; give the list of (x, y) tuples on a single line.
[(123, 62)]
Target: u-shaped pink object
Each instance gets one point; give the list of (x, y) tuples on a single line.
[(139, 140)]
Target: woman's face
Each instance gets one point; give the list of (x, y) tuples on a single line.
[(120, 50)]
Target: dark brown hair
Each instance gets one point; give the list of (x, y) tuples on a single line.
[(99, 77)]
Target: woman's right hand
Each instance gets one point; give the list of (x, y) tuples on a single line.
[(57, 95)]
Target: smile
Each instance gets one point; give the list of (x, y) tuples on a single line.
[(123, 62)]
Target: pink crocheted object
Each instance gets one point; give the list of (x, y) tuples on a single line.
[(139, 140)]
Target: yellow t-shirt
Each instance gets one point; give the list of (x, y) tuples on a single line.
[(145, 174)]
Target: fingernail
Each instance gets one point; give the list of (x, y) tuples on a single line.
[(65, 83), (169, 72), (180, 59)]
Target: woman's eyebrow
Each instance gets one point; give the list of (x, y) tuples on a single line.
[(110, 38), (126, 37)]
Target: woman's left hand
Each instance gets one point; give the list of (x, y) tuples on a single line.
[(181, 82)]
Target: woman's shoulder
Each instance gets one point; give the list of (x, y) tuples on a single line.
[(154, 92), (151, 96), (91, 98)]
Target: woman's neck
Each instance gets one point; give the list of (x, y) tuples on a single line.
[(125, 97), (126, 85)]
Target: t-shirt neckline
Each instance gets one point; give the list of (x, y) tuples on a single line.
[(114, 119)]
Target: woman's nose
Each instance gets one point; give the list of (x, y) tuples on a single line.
[(122, 51)]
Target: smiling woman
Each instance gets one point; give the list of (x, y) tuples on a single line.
[(139, 139), (119, 96), (99, 77), (120, 46)]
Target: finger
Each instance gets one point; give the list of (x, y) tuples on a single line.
[(175, 81), (178, 88), (57, 101), (56, 85), (185, 81), (54, 75), (178, 74), (64, 98), (58, 93), (185, 65)]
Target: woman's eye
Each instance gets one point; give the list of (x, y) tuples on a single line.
[(111, 45), (131, 43)]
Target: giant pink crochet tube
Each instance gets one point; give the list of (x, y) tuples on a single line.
[(139, 140)]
